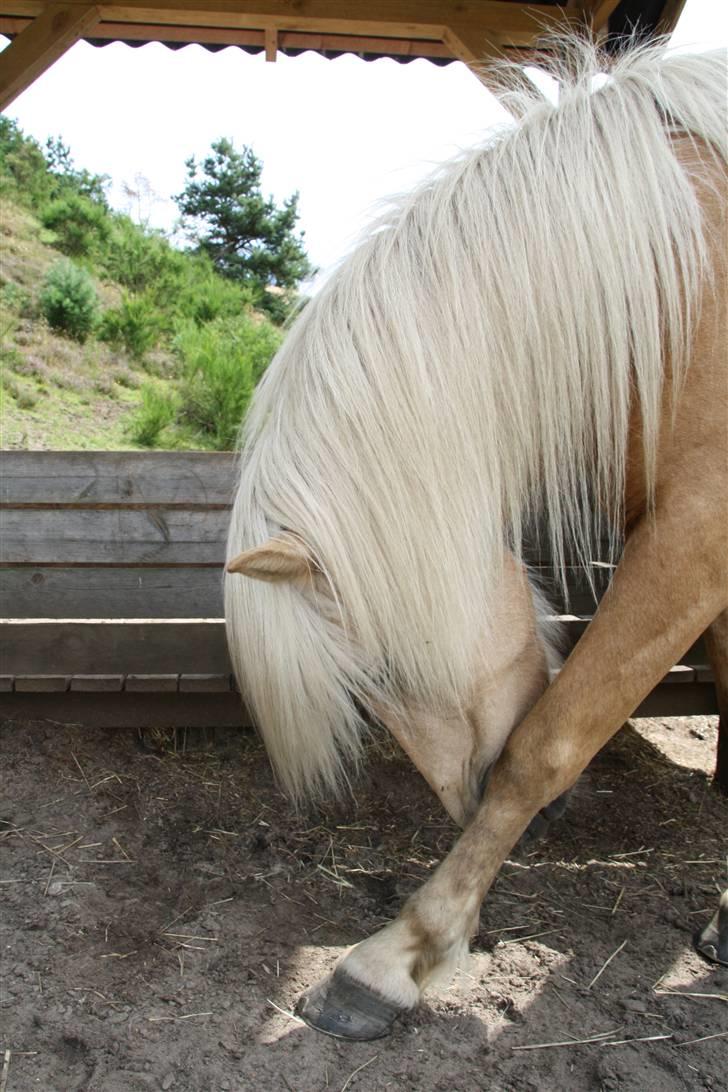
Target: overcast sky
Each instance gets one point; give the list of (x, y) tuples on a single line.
[(344, 133)]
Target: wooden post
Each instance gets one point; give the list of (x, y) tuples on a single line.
[(716, 642), (271, 43), (36, 48)]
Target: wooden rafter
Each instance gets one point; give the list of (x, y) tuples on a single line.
[(35, 49), (471, 31)]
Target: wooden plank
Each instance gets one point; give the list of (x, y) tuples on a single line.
[(68, 536), (181, 591), (123, 478), (35, 49), (221, 710), (97, 684), (381, 18), (54, 592), (114, 648), (681, 673), (207, 684), (162, 647), (128, 710), (152, 684), (671, 12), (288, 42), (41, 684), (682, 700)]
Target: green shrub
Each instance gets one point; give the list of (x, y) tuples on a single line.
[(80, 226), (138, 259), (222, 362), (203, 295), (157, 410), (134, 326), (24, 173), (68, 300), (16, 299)]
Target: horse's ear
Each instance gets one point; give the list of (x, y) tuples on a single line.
[(276, 560)]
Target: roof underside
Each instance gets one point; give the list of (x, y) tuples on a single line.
[(440, 30)]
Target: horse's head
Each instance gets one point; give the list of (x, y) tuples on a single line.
[(454, 747)]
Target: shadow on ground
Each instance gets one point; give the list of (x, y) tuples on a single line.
[(164, 909)]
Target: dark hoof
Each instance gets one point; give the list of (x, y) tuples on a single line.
[(712, 941), (342, 1007), (543, 819)]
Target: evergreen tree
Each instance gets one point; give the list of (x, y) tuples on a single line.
[(245, 234)]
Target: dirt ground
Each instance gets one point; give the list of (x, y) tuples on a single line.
[(162, 909)]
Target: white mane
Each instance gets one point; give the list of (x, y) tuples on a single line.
[(472, 364)]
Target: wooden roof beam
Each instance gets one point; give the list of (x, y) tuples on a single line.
[(484, 25), (35, 49)]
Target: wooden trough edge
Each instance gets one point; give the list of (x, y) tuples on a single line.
[(209, 701)]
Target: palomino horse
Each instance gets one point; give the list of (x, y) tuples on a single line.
[(536, 331)]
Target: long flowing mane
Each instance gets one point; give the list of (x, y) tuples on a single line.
[(473, 363)]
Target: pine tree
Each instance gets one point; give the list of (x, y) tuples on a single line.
[(245, 234)]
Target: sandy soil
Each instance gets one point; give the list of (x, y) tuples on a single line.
[(162, 910)]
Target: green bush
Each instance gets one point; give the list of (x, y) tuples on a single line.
[(135, 326), (16, 299), (157, 410), (222, 362), (138, 259), (203, 295), (24, 173), (80, 226), (68, 300)]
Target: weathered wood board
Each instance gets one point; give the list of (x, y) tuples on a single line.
[(111, 569), (116, 536), (120, 478)]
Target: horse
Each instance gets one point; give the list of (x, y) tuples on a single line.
[(535, 333)]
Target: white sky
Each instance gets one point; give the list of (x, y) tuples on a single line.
[(345, 133)]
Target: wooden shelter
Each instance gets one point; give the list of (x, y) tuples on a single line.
[(440, 30)]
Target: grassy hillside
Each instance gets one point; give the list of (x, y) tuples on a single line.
[(109, 337)]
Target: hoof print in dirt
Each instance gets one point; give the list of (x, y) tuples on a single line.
[(342, 1007), (712, 941)]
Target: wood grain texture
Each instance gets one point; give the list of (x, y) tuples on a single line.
[(114, 648), (95, 684), (154, 536), (89, 592), (128, 710), (152, 684), (184, 591), (41, 684), (116, 477), (52, 32), (221, 710), (164, 647)]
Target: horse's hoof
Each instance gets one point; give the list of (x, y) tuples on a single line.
[(712, 941), (342, 1007)]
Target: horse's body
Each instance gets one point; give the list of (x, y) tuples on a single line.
[(540, 328)]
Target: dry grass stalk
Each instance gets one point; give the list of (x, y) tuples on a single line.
[(5, 1072), (604, 966), (702, 1039), (570, 1042), (284, 1012), (358, 1069), (682, 993)]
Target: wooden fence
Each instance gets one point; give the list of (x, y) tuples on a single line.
[(111, 593)]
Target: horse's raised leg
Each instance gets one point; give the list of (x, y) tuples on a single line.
[(670, 585), (716, 641)]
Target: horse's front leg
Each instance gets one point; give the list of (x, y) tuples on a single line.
[(670, 584)]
